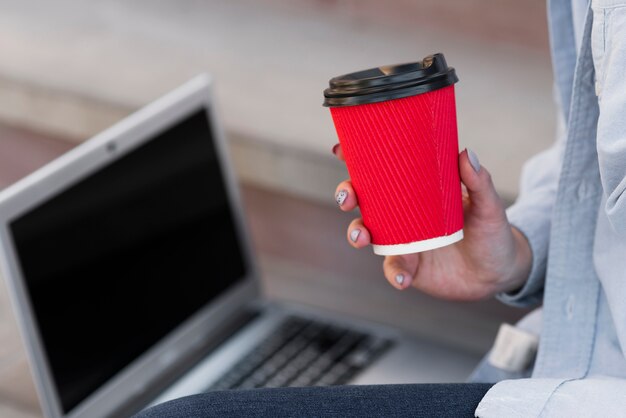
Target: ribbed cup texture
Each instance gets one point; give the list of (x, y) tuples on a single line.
[(402, 156)]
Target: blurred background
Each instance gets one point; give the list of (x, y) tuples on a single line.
[(71, 68)]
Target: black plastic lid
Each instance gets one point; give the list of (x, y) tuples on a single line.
[(390, 82)]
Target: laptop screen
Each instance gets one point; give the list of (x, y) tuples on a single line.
[(118, 260)]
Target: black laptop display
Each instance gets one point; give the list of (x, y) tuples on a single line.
[(119, 259)]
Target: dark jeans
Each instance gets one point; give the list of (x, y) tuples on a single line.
[(423, 400)]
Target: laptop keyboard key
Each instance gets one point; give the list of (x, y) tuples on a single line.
[(303, 353)]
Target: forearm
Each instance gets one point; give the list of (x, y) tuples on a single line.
[(531, 219)]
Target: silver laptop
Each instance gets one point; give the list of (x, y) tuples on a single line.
[(132, 276)]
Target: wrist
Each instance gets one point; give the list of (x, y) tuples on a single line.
[(522, 263)]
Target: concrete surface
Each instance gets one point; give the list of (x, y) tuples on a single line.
[(72, 68)]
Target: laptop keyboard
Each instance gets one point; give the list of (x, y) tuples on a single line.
[(304, 352)]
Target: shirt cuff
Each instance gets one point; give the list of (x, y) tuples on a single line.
[(517, 398), (597, 396), (535, 226)]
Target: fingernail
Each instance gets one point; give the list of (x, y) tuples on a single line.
[(354, 234), (335, 148), (341, 197), (400, 279), (473, 158)]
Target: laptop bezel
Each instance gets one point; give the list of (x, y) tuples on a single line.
[(70, 168)]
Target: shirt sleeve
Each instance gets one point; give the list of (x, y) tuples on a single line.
[(531, 215), (611, 133), (600, 396)]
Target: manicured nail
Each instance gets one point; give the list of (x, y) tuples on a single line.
[(354, 234), (341, 197), (335, 148), (400, 279), (473, 158)]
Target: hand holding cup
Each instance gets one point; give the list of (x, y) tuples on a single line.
[(392, 186)]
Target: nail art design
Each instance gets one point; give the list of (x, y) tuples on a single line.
[(354, 234), (400, 279), (341, 197), (473, 159), (335, 148)]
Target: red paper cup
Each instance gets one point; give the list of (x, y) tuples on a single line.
[(398, 132)]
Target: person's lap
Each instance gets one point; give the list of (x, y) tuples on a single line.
[(416, 400)]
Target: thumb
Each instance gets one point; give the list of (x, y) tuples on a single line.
[(399, 270), (484, 200)]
